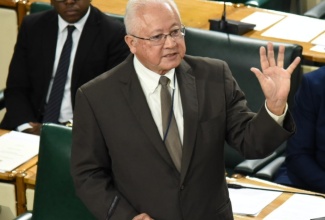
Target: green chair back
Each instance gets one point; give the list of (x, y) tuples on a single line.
[(54, 191), (39, 6)]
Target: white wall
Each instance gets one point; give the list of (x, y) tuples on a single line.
[(9, 30)]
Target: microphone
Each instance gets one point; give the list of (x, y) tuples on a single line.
[(223, 21), (237, 186), (230, 26)]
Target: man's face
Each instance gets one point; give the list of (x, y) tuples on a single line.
[(71, 10), (154, 20)]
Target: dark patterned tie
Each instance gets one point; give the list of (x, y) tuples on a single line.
[(52, 110), (170, 130)]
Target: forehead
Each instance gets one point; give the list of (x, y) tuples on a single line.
[(158, 16)]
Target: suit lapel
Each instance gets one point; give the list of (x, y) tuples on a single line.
[(134, 94), (88, 35), (187, 85), (49, 41)]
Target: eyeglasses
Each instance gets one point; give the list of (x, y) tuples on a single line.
[(64, 0), (161, 38)]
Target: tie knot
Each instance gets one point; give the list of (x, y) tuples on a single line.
[(164, 80), (70, 28)]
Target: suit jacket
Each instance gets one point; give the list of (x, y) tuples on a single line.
[(305, 159), (101, 47), (120, 165)]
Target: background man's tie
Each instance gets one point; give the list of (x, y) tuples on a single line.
[(171, 135), (52, 109)]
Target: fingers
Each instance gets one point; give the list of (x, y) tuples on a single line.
[(293, 65), (270, 54), (263, 59), (280, 60), (267, 58), (258, 73)]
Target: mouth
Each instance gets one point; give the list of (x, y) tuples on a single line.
[(71, 12), (170, 55)]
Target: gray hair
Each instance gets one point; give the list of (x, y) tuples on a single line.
[(134, 6)]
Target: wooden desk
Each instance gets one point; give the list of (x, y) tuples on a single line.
[(28, 180), (274, 204), (196, 13), (24, 181), (12, 176)]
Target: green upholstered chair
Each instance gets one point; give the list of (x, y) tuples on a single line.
[(116, 16), (242, 53), (278, 5), (54, 191), (39, 6)]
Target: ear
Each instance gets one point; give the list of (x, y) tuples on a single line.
[(131, 42)]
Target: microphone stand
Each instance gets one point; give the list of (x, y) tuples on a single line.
[(230, 26)]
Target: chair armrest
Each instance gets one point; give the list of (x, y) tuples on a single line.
[(250, 167), (2, 99), (317, 11), (270, 170), (24, 216)]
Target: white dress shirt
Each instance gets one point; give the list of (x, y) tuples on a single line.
[(66, 112), (149, 81)]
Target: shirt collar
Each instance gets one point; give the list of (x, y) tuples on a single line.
[(78, 25), (150, 80)]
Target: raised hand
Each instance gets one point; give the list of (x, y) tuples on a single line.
[(274, 79), (142, 216)]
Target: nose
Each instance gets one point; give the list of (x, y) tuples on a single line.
[(169, 40)]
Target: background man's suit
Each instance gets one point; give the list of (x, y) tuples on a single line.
[(305, 156), (120, 165), (101, 47)]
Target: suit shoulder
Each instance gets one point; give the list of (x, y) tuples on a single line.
[(40, 18)]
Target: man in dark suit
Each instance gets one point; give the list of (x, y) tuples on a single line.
[(305, 155), (98, 45), (123, 164)]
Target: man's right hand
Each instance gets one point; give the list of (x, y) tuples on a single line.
[(36, 128), (142, 216)]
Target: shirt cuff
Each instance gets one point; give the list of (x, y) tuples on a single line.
[(23, 127), (278, 119)]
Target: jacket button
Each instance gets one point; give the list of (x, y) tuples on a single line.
[(182, 187)]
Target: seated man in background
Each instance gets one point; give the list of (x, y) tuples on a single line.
[(153, 147), (304, 166), (49, 65)]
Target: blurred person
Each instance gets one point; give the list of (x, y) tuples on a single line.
[(304, 166), (97, 46)]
